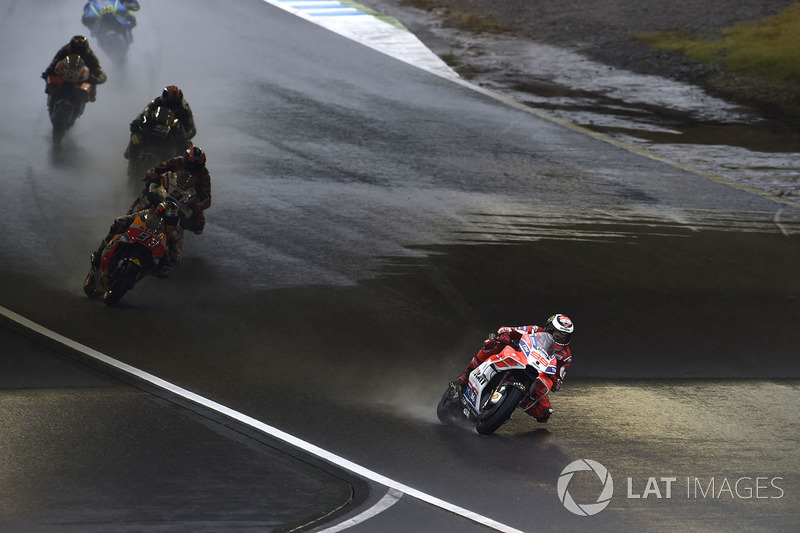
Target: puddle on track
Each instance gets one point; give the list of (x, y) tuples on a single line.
[(674, 120)]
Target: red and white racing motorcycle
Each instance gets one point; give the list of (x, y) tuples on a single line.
[(178, 186), (497, 385)]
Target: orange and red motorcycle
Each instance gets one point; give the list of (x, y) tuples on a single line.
[(130, 256), (68, 91)]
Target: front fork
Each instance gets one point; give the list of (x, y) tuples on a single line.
[(500, 390)]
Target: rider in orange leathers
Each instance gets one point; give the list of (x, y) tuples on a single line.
[(561, 328)]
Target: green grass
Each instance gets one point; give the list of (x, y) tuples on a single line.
[(483, 23), (769, 48), (474, 23)]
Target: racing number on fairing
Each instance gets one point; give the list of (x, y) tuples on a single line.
[(108, 8), (148, 239), (526, 348)]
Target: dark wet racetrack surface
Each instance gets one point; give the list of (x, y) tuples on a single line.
[(371, 223)]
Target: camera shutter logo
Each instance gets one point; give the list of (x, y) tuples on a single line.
[(585, 509)]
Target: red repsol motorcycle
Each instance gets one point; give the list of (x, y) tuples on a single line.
[(497, 385), (130, 256), (67, 93)]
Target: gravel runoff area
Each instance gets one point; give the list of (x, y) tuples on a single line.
[(604, 31)]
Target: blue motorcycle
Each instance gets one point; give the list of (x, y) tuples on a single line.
[(111, 22)]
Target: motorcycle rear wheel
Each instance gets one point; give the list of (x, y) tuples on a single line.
[(115, 46), (448, 410), (491, 418)]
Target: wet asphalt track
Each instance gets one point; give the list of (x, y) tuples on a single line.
[(371, 223)]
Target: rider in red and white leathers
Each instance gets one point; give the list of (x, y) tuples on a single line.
[(558, 325), (193, 161)]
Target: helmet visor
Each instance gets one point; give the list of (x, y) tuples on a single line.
[(561, 337), (80, 42)]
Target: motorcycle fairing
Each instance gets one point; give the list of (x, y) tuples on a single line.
[(530, 354), (480, 377), (139, 232), (536, 357)]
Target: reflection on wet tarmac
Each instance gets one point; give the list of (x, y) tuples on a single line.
[(672, 119), (746, 151), (623, 224), (695, 438)]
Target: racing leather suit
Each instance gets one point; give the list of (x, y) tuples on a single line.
[(202, 186), (182, 112), (96, 77)]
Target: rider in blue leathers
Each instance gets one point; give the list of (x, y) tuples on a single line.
[(122, 10)]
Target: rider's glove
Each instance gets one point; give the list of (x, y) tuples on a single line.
[(508, 335), (557, 385), (490, 343)]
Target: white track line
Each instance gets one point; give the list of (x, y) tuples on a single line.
[(258, 425), (389, 499)]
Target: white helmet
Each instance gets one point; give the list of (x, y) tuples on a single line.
[(561, 328)]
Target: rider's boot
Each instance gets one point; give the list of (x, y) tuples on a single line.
[(462, 380), (536, 409), (89, 284)]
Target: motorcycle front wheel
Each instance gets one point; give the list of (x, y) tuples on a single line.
[(90, 286), (121, 281), (495, 414), (115, 46), (61, 117)]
